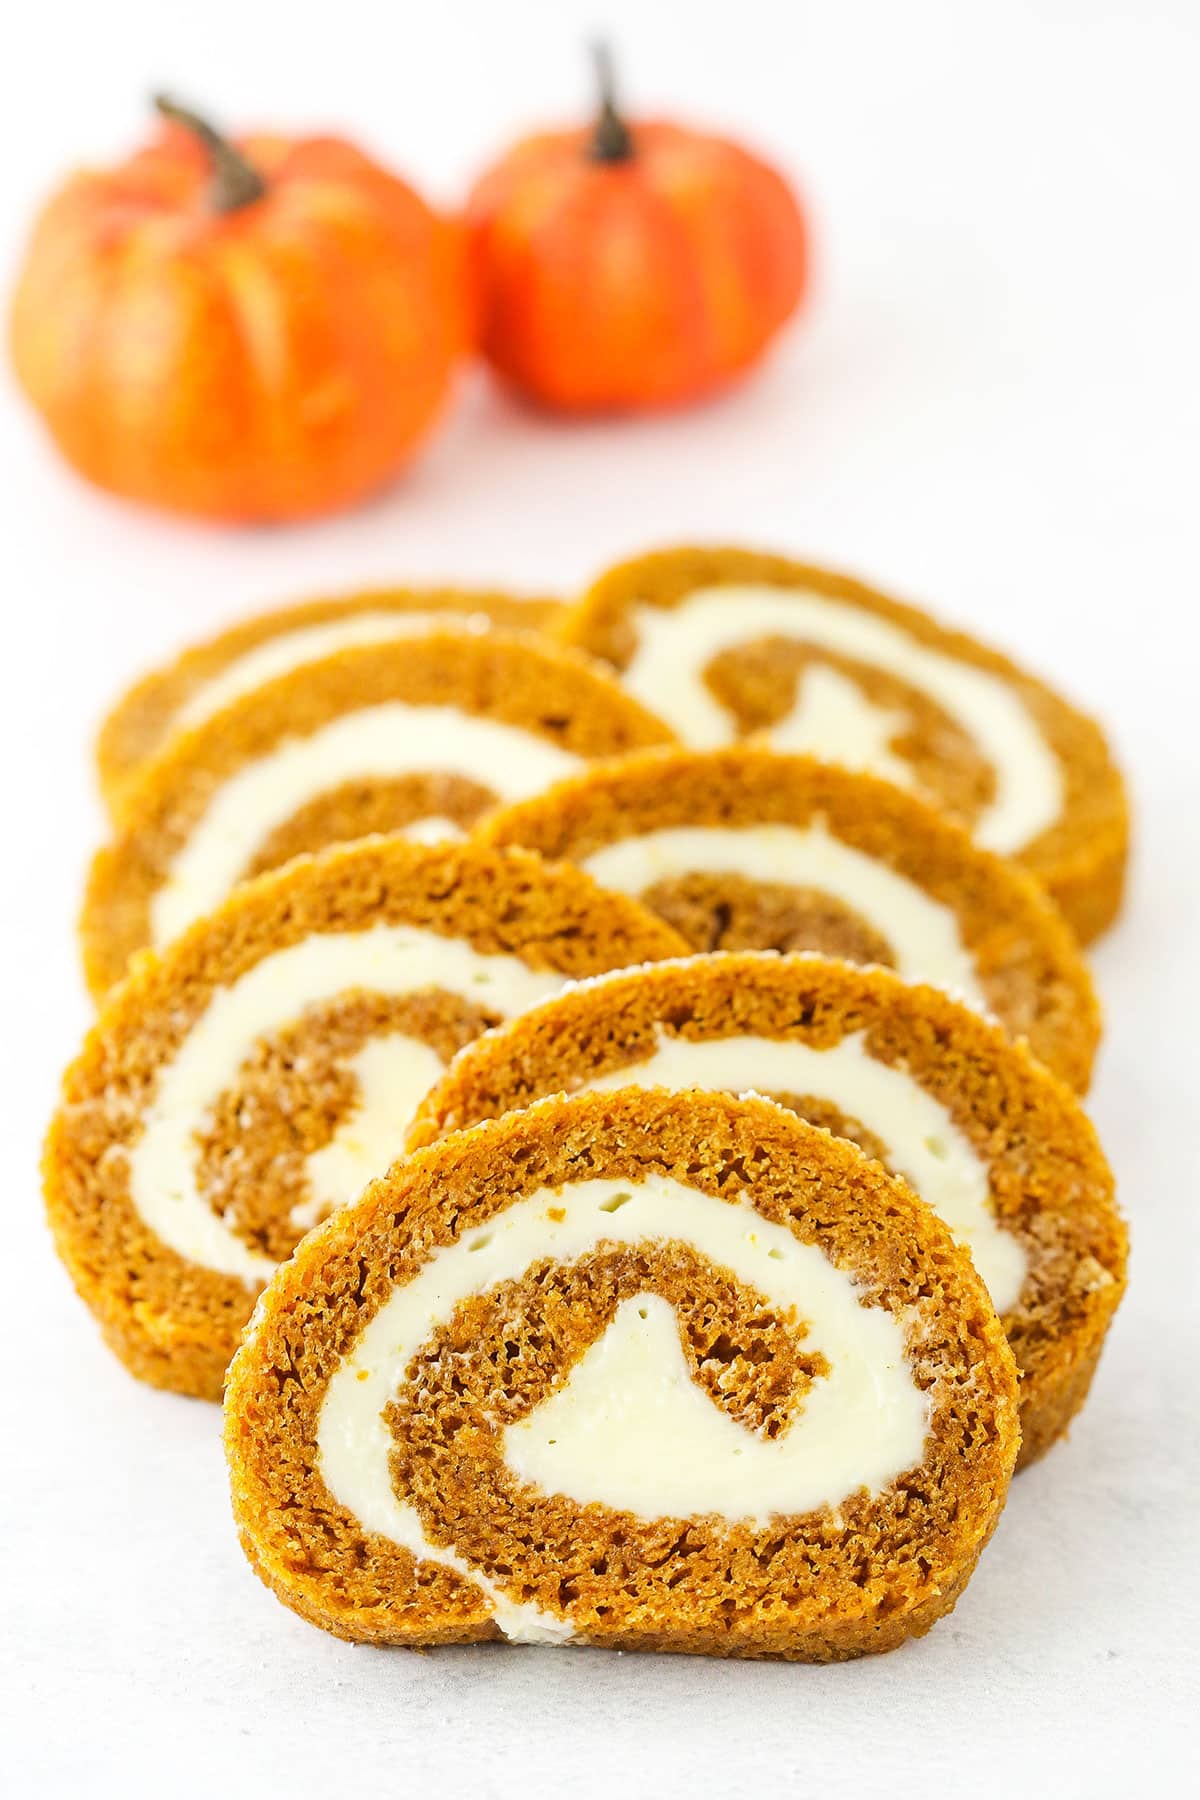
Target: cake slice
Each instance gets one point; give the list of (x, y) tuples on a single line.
[(1000, 1149), (421, 736), (640, 1370), (255, 1075), (726, 643), (746, 849), (206, 678)]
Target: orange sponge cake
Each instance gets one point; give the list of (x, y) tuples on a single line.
[(635, 1370), (258, 1072), (205, 679), (725, 642), (988, 1138), (746, 849), (422, 736)]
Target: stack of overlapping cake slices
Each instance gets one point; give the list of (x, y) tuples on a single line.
[(597, 1089)]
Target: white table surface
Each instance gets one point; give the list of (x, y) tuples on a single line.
[(992, 406)]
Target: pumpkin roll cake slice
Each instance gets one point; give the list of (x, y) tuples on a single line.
[(207, 677), (258, 1072), (422, 736), (746, 849), (998, 1147), (726, 643), (641, 1370)]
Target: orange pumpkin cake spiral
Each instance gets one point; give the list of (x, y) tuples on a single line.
[(637, 1370), (985, 1134), (736, 644), (422, 735), (265, 1066), (745, 849), (208, 676)]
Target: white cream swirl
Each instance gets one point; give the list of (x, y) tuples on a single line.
[(628, 1427), (300, 644), (380, 742), (384, 959), (920, 1138), (923, 934), (676, 644)]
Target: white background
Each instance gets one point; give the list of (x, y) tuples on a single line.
[(991, 406)]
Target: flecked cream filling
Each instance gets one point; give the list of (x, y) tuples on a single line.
[(676, 644), (921, 1140), (385, 959), (625, 1427), (381, 741), (923, 934)]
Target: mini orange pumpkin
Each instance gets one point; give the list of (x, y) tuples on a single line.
[(632, 265), (260, 332)]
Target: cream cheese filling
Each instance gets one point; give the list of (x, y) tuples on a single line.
[(832, 718), (434, 829), (385, 959), (625, 1433), (391, 1074), (924, 935), (384, 741), (922, 1141), (676, 644), (302, 644)]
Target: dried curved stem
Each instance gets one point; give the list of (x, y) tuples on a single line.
[(235, 182)]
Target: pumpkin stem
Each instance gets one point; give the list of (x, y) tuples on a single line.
[(612, 141), (235, 182)]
